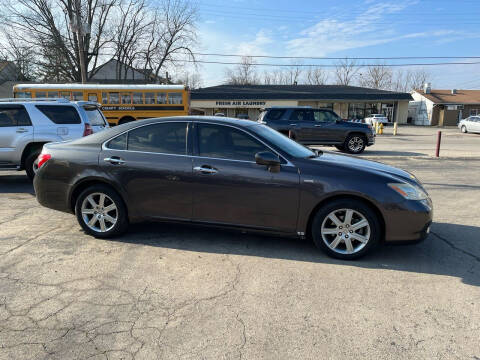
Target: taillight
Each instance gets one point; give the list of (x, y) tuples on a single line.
[(88, 130), (42, 159)]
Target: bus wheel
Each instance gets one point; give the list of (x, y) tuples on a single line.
[(125, 120)]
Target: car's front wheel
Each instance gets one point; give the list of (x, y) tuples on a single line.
[(464, 129), (101, 212), (355, 143), (346, 229)]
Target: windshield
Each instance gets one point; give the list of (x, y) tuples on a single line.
[(282, 142), (94, 116)]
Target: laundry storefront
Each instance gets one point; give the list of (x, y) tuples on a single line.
[(350, 102)]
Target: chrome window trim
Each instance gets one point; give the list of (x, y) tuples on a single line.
[(104, 144)]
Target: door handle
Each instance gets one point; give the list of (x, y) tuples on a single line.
[(205, 170), (22, 130), (293, 124), (318, 125), (114, 160)]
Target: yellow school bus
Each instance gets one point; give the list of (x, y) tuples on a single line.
[(120, 103)]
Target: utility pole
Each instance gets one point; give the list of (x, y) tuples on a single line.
[(79, 27)]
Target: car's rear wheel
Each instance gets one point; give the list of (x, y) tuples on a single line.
[(464, 129), (101, 212), (346, 229), (31, 166), (355, 143)]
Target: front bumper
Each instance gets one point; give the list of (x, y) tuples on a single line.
[(409, 221)]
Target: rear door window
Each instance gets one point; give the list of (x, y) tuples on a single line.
[(275, 114), (301, 115), (60, 114), (324, 116), (166, 138), (95, 116), (14, 115)]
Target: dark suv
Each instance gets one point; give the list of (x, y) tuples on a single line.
[(319, 127)]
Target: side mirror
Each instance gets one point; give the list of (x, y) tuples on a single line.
[(269, 159)]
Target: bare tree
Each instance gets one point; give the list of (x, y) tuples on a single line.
[(408, 80), (242, 74), (376, 77), (48, 27), (131, 29), (316, 76), (21, 56), (192, 79), (172, 33), (346, 71)]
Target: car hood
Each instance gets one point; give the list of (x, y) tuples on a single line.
[(365, 165)]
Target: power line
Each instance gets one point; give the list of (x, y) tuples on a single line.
[(325, 65), (338, 58)]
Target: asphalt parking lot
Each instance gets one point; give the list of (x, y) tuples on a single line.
[(179, 292)]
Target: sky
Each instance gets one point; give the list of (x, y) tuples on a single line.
[(343, 28)]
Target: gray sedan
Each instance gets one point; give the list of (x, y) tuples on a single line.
[(470, 124)]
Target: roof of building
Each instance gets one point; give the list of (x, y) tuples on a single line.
[(295, 92), (446, 96), (99, 86)]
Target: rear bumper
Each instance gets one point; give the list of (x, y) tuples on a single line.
[(50, 192)]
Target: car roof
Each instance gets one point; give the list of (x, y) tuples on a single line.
[(102, 136)]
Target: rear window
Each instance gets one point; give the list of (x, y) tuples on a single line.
[(118, 143), (94, 116), (14, 115), (275, 114), (60, 114)]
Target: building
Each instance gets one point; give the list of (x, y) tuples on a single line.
[(116, 72), (443, 107), (350, 102)]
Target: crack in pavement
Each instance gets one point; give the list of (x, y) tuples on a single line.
[(453, 246)]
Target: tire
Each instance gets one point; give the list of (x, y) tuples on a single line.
[(355, 143), (85, 211), (30, 164), (340, 147), (464, 129), (330, 242)]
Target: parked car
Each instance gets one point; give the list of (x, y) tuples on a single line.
[(230, 173), (376, 118), (27, 124), (470, 124), (318, 127)]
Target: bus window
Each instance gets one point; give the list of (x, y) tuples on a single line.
[(41, 94), (77, 95), (92, 97), (149, 98), (138, 98), (161, 98), (126, 98), (174, 98), (114, 98), (104, 98), (65, 94), (24, 94), (52, 94)]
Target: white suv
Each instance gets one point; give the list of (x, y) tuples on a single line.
[(27, 124)]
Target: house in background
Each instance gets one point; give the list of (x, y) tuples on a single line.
[(443, 107), (116, 72)]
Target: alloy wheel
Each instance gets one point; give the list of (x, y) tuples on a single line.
[(355, 144), (345, 231), (99, 212)]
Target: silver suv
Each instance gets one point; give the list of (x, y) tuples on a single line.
[(27, 124)]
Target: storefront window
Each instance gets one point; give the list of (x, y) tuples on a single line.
[(388, 110), (371, 108), (241, 113), (356, 111), (328, 106)]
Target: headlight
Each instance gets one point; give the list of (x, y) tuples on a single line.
[(408, 191)]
